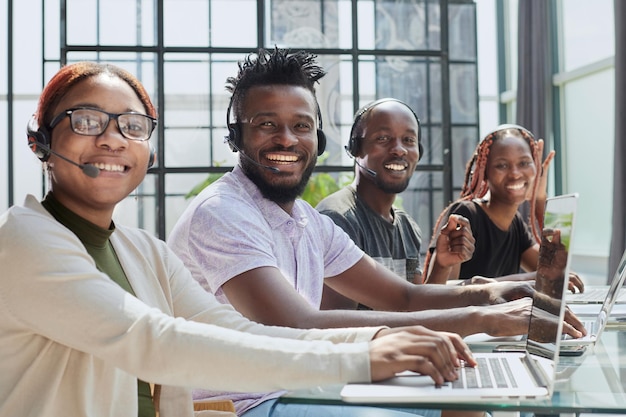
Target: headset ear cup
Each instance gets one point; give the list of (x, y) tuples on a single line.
[(37, 135), (351, 145), (152, 157), (234, 137), (420, 149), (321, 142)]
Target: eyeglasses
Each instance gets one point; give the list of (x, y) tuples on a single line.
[(88, 121)]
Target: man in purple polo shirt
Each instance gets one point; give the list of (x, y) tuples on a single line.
[(251, 241)]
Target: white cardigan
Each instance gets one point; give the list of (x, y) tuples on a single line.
[(73, 342)]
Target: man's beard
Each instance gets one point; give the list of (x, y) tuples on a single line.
[(392, 188), (276, 193)]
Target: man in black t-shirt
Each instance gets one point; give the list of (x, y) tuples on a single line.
[(386, 144)]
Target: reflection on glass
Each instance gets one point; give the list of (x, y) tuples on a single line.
[(544, 330)]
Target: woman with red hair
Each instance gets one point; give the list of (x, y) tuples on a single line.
[(94, 312)]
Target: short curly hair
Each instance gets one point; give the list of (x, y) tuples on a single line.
[(279, 66)]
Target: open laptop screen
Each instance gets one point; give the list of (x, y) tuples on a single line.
[(544, 329)]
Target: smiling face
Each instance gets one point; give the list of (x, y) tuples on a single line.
[(510, 169), (122, 162), (279, 127), (389, 146)]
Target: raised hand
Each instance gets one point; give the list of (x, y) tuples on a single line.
[(455, 243), (543, 177)]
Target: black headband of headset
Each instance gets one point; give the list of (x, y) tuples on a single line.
[(352, 146)]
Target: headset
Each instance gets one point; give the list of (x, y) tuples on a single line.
[(506, 126), (353, 143), (40, 142), (235, 137)]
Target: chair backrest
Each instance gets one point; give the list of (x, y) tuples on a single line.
[(201, 408), (214, 408)]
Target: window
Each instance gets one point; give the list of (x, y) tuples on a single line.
[(183, 51)]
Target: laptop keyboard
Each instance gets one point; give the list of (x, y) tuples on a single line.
[(590, 325), (597, 294), (489, 373)]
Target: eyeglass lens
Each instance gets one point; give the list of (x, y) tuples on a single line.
[(92, 122)]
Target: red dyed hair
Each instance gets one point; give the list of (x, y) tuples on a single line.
[(69, 75)]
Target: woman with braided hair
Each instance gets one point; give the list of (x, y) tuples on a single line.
[(504, 172)]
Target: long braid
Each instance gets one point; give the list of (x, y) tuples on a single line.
[(475, 185)]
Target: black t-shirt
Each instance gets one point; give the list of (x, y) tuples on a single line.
[(395, 245), (497, 252)]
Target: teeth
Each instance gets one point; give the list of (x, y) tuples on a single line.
[(516, 187), (109, 167), (395, 167), (282, 158)]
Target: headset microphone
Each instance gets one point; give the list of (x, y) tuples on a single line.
[(88, 169), (242, 153), (368, 170)]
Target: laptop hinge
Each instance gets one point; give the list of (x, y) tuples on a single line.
[(536, 370)]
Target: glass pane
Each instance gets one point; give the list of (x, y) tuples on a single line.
[(487, 48), (186, 23), (309, 24), (488, 116), (82, 22), (462, 31), (186, 113), (406, 25), (111, 22), (195, 109), (142, 65), (585, 100), (404, 78), (423, 201), (177, 186), (433, 145), (51, 27), (335, 105), (26, 50), (510, 10), (233, 23), (464, 140), (587, 28), (463, 93), (139, 209), (342, 117), (435, 98)]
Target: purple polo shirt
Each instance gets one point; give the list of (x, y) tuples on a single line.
[(230, 228)]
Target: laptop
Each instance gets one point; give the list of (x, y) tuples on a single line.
[(500, 376), (597, 294), (596, 326), (559, 214)]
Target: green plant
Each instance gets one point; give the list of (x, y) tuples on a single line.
[(323, 184)]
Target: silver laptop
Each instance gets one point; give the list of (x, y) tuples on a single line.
[(500, 376), (596, 326), (597, 294), (559, 213)]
